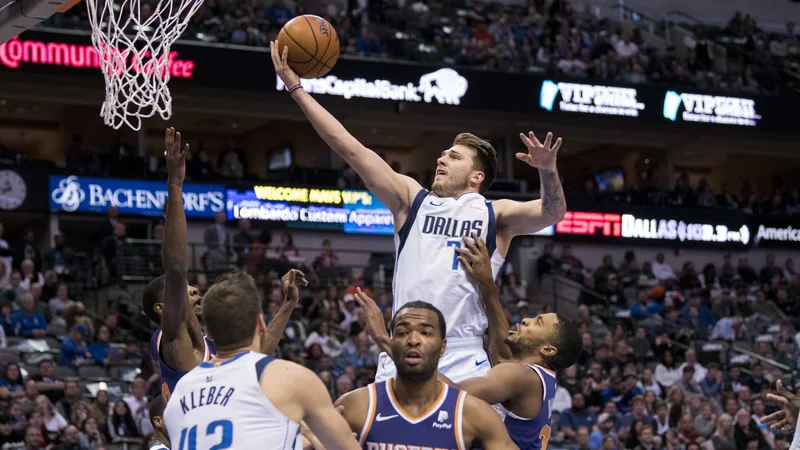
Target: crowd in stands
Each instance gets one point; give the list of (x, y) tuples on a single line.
[(673, 358), (541, 36), (782, 200), (664, 365)]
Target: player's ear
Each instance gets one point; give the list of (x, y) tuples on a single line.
[(444, 348), (261, 326), (548, 351), (158, 422), (157, 307), (477, 177)]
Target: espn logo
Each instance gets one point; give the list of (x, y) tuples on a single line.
[(588, 224)]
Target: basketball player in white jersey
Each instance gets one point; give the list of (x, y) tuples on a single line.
[(242, 399), (429, 225), (523, 381)]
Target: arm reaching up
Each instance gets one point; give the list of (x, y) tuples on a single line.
[(474, 258), (514, 218), (182, 343), (272, 337), (376, 327), (394, 190)]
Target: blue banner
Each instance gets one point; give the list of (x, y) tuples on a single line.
[(357, 212), (132, 197)]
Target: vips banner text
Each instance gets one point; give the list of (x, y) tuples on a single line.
[(351, 211), (208, 66)]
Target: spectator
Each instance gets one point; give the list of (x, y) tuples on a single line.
[(100, 349), (74, 351), (649, 384), (10, 438), (138, 405), (243, 240), (711, 384), (746, 430), (61, 302), (217, 242), (12, 380), (288, 252), (690, 357), (29, 323), (605, 427), (29, 276), (28, 250), (91, 436), (582, 439), (14, 290), (278, 13), (667, 373), (60, 258), (547, 263), (662, 270), (101, 408), (326, 261), (53, 421), (687, 383), (728, 328), (329, 344), (121, 426), (46, 383), (723, 438), (576, 417), (72, 396), (34, 440), (118, 252), (71, 440)]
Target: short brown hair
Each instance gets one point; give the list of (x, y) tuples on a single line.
[(231, 309), (485, 157)]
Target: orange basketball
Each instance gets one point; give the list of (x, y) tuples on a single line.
[(313, 45)]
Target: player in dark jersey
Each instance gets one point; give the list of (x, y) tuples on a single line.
[(159, 439), (525, 358), (179, 345), (416, 410)]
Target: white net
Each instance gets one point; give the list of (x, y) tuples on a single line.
[(133, 40)]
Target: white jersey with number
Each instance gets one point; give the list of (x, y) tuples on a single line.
[(426, 267), (221, 406)]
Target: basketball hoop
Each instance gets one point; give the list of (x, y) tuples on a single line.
[(133, 45)]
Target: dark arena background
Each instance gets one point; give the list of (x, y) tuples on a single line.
[(676, 255)]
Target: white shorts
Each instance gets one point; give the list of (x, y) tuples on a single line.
[(464, 358)]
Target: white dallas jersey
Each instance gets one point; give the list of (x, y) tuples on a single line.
[(426, 267), (221, 406)]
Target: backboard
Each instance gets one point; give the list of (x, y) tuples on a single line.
[(17, 16)]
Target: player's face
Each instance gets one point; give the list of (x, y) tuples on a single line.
[(455, 170), (193, 298), (416, 343), (532, 335)]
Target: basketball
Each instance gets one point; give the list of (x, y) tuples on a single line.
[(313, 45)]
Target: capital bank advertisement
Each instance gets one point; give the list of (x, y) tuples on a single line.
[(351, 211), (214, 67), (133, 197), (659, 226)]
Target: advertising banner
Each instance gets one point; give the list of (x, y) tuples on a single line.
[(658, 226), (776, 232), (214, 66), (132, 197), (351, 211)]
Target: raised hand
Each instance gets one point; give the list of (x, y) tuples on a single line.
[(542, 156), (176, 156), (376, 326), (279, 60), (290, 282), (785, 419), (475, 259)]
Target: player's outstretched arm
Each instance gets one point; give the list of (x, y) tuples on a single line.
[(504, 382), (182, 343), (475, 261), (482, 423), (277, 324), (514, 218), (319, 414), (396, 191), (376, 326)]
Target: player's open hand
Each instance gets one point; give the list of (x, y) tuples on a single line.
[(786, 418), (291, 282), (542, 156), (176, 156), (279, 60), (376, 326), (475, 259)]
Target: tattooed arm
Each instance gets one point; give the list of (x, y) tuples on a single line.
[(514, 218)]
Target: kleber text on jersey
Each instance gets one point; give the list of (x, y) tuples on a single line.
[(211, 395)]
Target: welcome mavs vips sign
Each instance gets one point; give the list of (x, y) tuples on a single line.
[(143, 198)]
